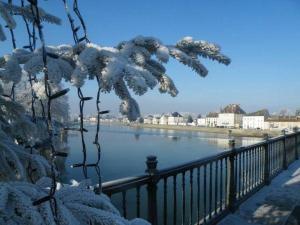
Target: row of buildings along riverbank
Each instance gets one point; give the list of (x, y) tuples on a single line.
[(232, 116)]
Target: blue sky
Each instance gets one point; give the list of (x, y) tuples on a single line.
[(261, 37)]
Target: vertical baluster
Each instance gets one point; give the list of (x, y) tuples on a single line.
[(257, 165), (250, 169), (279, 155), (198, 195), (226, 182), (275, 158), (266, 161), (278, 161), (280, 146), (244, 175), (221, 185), (232, 177), (296, 143), (210, 190), (183, 198), (216, 186), (254, 167), (165, 201), (191, 196), (124, 204), (239, 158), (261, 164), (175, 200), (138, 201), (246, 172), (205, 193), (271, 159), (284, 162)]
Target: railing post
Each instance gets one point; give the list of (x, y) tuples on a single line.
[(232, 181), (296, 142), (284, 163), (267, 163), (152, 189)]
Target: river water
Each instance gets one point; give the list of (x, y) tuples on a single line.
[(124, 149)]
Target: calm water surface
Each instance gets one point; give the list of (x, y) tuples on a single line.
[(124, 149)]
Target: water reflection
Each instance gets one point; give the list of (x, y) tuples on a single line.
[(124, 149)]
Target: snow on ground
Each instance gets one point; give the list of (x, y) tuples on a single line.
[(272, 204)]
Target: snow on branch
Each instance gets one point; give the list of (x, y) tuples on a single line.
[(137, 64), (75, 204), (8, 10)]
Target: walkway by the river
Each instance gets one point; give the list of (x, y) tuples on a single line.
[(272, 204)]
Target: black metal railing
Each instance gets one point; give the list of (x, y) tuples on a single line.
[(205, 190)]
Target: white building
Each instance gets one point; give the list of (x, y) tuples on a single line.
[(163, 120), (254, 122), (175, 119), (148, 119), (211, 120), (201, 122), (231, 116), (283, 123), (230, 120)]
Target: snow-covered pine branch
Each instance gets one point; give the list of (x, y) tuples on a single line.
[(137, 64), (8, 10), (75, 205)]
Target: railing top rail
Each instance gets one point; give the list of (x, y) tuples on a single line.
[(249, 147), (270, 140), (170, 171), (125, 183)]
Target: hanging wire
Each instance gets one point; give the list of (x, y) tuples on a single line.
[(78, 14), (78, 40), (50, 197), (13, 40), (31, 46)]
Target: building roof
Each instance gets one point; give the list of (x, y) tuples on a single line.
[(263, 112), (212, 114), (176, 114), (233, 108)]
